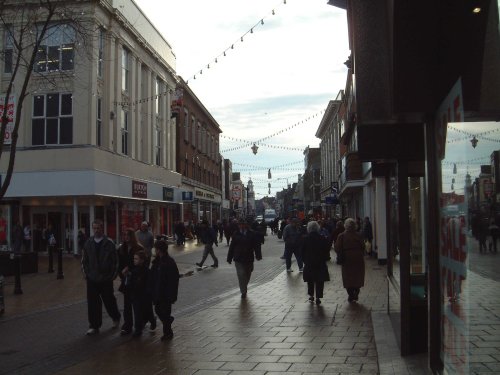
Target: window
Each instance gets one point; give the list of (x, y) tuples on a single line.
[(52, 121), (200, 144), (124, 132), (193, 131), (99, 122), (56, 50), (157, 144), (186, 125), (8, 51), (125, 69), (157, 97), (100, 57), (186, 165)]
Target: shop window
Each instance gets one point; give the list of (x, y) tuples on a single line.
[(99, 122), (100, 57), (124, 128)]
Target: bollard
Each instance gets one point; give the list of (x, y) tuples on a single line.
[(51, 259), (17, 266), (60, 274)]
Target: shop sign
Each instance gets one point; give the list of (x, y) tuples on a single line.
[(236, 193), (168, 194), (177, 100), (200, 194), (187, 195), (139, 189)]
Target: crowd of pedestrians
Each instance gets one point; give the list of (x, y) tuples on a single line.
[(142, 285), (150, 279)]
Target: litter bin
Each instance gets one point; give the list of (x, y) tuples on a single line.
[(2, 301)]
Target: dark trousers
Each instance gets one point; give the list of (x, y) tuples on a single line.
[(97, 294), (142, 309), (164, 312), (244, 272), (288, 257), (318, 285), (209, 249), (353, 292)]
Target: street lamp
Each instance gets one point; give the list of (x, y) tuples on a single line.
[(247, 208)]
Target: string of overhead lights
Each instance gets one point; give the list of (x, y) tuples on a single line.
[(240, 40), (451, 127), (263, 167), (258, 141), (215, 60), (465, 162)]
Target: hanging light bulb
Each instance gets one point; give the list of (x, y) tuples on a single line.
[(251, 30), (254, 149), (474, 141), (232, 46), (454, 168), (273, 12), (262, 21), (224, 53), (241, 39)]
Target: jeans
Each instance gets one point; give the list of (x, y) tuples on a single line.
[(243, 271), (288, 257)]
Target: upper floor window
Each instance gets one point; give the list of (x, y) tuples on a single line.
[(200, 144), (100, 57), (157, 96), (52, 120), (125, 69), (124, 132), (186, 125), (157, 144), (99, 122), (193, 131), (56, 50), (8, 52)]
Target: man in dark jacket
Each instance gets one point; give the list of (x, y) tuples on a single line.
[(208, 237), (292, 234), (100, 266), (244, 245), (164, 286)]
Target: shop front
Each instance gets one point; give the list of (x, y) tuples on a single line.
[(67, 207)]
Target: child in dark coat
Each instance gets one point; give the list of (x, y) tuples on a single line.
[(164, 286), (139, 276)]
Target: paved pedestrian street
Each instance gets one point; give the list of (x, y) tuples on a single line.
[(275, 330)]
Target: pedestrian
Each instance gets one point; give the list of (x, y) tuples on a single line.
[(137, 282), (244, 248), (146, 239), (164, 286), (208, 236), (17, 237), (229, 229), (494, 230), (349, 247), (127, 251), (292, 235), (27, 237), (315, 252), (100, 267), (220, 228), (180, 233), (368, 235)]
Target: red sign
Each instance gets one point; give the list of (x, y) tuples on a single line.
[(139, 189)]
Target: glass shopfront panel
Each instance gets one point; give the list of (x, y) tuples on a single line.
[(469, 258)]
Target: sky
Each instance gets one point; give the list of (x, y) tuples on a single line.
[(277, 81)]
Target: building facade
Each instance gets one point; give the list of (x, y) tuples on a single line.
[(198, 157), (427, 109), (96, 138)]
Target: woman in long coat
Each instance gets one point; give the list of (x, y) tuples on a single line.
[(315, 254), (350, 247)]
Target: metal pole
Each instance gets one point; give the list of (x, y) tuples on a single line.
[(51, 259), (60, 274)]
